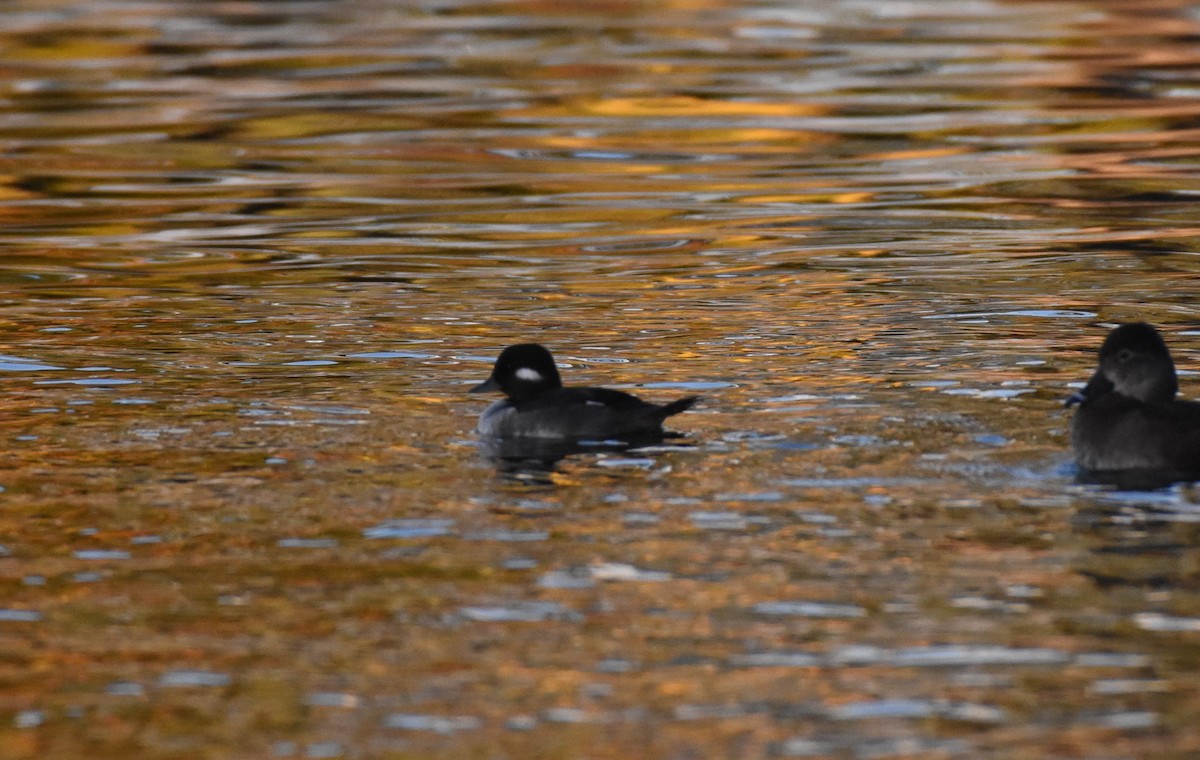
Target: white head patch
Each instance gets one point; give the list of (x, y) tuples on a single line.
[(529, 374)]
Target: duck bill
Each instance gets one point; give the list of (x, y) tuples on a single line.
[(487, 385), (1097, 386), (1078, 397)]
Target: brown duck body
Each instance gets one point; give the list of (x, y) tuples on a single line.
[(538, 406), (1128, 417)]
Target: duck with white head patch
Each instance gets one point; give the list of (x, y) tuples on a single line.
[(1128, 417), (538, 406)]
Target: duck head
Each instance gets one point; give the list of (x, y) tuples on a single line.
[(523, 371), (1135, 363)]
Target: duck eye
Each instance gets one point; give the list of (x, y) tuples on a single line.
[(1124, 355)]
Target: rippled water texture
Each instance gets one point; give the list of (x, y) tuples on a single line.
[(255, 253)]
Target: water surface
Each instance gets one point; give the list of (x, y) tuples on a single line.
[(256, 253)]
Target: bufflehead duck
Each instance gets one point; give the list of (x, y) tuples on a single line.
[(1128, 417), (538, 406)]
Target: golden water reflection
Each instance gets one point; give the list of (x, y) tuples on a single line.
[(256, 253)]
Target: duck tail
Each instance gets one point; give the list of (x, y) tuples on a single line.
[(675, 407)]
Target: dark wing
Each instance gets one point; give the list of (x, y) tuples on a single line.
[(1180, 442), (593, 413), (1175, 412), (615, 400), (618, 401)]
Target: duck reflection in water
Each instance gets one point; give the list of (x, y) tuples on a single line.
[(534, 462), (1130, 430), (540, 421)]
